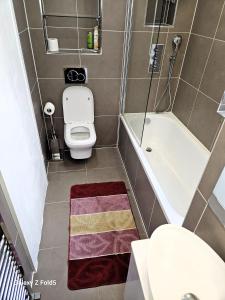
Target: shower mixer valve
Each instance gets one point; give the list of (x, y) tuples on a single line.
[(155, 54)]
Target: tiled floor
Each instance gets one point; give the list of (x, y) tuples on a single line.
[(105, 165)]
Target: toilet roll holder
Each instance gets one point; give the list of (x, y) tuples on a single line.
[(56, 154)]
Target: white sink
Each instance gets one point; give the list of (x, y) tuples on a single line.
[(179, 262)]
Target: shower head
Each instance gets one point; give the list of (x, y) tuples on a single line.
[(176, 43)]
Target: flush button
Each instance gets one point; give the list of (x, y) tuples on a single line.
[(75, 75)]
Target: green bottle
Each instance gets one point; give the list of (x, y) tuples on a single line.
[(90, 40)]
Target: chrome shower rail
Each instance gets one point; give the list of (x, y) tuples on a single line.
[(11, 278)]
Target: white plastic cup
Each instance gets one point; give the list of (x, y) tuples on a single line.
[(53, 45)]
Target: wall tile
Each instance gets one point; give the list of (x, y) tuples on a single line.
[(106, 95), (195, 59), (163, 102), (35, 96), (52, 90), (87, 7), (221, 29), (137, 95), (44, 145), (158, 218), (183, 20), (184, 101), (106, 130), (214, 166), (214, 77), (59, 128), (180, 55), (212, 232), (205, 121), (33, 13), (50, 65), (67, 37), (20, 15), (114, 15), (207, 16), (60, 7), (195, 211), (139, 15), (139, 55), (110, 60), (144, 195), (153, 93), (28, 58)]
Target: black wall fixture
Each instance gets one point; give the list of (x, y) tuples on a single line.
[(75, 75)]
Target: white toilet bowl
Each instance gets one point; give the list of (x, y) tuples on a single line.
[(79, 130)]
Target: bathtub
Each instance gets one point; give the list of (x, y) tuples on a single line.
[(175, 164)]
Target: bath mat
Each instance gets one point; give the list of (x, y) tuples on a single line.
[(101, 231)]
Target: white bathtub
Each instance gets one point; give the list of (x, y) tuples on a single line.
[(176, 163)]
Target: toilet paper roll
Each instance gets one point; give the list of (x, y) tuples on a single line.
[(49, 109), (53, 45)]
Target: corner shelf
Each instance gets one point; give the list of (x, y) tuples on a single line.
[(72, 35)]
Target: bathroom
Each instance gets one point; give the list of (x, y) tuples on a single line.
[(123, 96)]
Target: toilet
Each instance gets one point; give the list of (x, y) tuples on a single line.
[(79, 129)]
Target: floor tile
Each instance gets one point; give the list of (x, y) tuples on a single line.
[(107, 174), (112, 292), (104, 158), (53, 266), (104, 165), (56, 225), (60, 184), (68, 164)]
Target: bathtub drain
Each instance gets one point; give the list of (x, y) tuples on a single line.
[(148, 149)]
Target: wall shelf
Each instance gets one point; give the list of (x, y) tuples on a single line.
[(71, 30)]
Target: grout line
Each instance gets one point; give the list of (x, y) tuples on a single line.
[(22, 31), (78, 33), (206, 64), (52, 248), (207, 37), (31, 90), (202, 195), (199, 91), (200, 218), (217, 137), (217, 133), (59, 202), (66, 171)]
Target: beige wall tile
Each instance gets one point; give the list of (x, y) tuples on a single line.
[(207, 16), (205, 121)]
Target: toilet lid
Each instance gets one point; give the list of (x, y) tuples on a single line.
[(78, 105)]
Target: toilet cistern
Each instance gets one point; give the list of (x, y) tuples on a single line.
[(79, 129)]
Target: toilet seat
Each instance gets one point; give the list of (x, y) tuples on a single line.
[(78, 113), (74, 142)]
